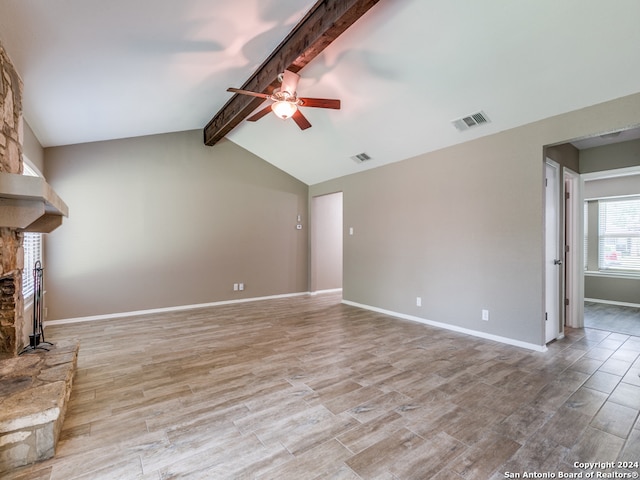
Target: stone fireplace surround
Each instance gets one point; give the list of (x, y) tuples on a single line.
[(11, 252), (35, 387)]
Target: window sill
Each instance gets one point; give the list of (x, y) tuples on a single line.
[(628, 275)]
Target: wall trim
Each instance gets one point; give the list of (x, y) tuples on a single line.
[(626, 276), (617, 172), (612, 302), (446, 326), (329, 290), (111, 316)]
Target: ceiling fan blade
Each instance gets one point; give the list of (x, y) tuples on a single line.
[(261, 113), (289, 82), (301, 120), (320, 103), (247, 92)]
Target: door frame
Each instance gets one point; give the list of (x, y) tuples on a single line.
[(573, 232), (556, 310)]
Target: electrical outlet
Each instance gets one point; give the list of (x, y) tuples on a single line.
[(241, 286), (485, 315), (418, 301)]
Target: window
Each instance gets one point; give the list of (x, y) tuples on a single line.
[(32, 245), (619, 235)]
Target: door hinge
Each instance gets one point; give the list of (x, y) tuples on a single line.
[(546, 182), (566, 302), (546, 316), (566, 248), (567, 195)]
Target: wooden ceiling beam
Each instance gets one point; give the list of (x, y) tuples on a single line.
[(325, 22)]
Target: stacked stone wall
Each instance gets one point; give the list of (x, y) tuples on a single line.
[(11, 253)]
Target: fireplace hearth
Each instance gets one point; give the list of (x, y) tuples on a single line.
[(34, 393)]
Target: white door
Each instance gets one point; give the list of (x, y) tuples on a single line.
[(553, 259), (326, 242)]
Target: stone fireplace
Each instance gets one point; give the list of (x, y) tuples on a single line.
[(11, 253), (27, 204)]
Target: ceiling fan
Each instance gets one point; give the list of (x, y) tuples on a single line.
[(286, 101)]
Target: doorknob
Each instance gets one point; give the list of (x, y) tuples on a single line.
[(557, 262)]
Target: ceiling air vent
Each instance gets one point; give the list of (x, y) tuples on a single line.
[(361, 157), (470, 121)]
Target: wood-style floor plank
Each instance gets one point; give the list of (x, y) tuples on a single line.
[(309, 388)]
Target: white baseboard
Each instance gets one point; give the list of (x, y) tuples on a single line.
[(487, 336), (611, 302), (110, 316), (446, 326), (330, 290)]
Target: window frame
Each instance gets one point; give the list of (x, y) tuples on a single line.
[(606, 236)]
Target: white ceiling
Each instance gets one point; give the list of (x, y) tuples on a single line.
[(98, 70)]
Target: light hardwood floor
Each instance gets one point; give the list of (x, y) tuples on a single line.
[(306, 388)]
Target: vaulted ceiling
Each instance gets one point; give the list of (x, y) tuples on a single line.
[(96, 70)]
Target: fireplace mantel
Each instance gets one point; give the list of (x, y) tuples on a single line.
[(29, 204)]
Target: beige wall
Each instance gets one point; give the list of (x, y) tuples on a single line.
[(612, 289), (32, 149), (612, 187), (610, 157), (164, 221), (565, 155), (462, 227)]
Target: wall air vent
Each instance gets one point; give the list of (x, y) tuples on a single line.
[(361, 157), (473, 120)]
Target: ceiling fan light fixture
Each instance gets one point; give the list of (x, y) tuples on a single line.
[(286, 102), (284, 109)]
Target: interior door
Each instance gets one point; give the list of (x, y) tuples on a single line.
[(326, 242), (553, 259)]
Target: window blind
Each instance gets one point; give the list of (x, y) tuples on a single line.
[(619, 234), (32, 245)]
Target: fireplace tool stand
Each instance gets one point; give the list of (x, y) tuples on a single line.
[(38, 332)]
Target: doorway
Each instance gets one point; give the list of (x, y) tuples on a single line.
[(326, 242), (611, 284)]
